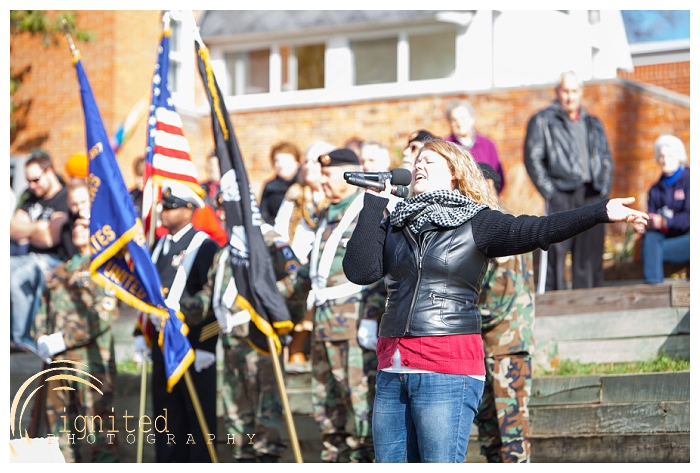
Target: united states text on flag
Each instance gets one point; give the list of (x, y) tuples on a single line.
[(120, 260)]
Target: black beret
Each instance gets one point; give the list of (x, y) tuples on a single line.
[(339, 157)]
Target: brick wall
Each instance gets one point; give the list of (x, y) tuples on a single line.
[(673, 76), (633, 118), (120, 67)]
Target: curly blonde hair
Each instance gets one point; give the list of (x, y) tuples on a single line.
[(470, 179)]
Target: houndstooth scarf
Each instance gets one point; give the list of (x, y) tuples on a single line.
[(444, 208)]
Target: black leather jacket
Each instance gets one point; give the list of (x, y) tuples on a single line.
[(551, 155), (433, 282)]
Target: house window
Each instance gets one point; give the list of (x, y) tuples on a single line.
[(173, 70), (424, 62), (311, 63), (249, 72), (175, 56), (375, 60)]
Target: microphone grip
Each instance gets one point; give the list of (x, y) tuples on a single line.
[(361, 182)]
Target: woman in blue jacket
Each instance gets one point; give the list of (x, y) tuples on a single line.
[(667, 234)]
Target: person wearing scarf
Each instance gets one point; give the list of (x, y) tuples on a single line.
[(667, 234), (432, 252)]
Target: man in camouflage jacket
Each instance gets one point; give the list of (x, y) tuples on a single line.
[(74, 323), (507, 304), (343, 360), (253, 414)]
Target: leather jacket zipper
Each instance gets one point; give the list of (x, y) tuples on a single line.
[(415, 289)]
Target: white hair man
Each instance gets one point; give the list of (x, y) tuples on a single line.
[(568, 158)]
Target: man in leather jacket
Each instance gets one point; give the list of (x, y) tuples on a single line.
[(567, 156)]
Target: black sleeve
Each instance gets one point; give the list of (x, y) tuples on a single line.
[(363, 262), (535, 154), (265, 210), (497, 234)]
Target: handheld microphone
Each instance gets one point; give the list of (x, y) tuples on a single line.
[(399, 177)]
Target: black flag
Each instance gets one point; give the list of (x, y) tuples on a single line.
[(250, 257)]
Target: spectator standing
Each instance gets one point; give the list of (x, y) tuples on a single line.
[(374, 157), (74, 323), (354, 143), (296, 223), (568, 158), (137, 191), (78, 200), (285, 157), (211, 186), (462, 119), (38, 222), (344, 322), (666, 237)]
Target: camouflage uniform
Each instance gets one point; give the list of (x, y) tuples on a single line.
[(249, 392), (251, 400), (343, 373), (81, 310), (507, 305)]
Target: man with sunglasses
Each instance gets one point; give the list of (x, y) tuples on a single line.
[(38, 222)]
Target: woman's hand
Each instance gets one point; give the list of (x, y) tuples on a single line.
[(386, 193), (618, 212)]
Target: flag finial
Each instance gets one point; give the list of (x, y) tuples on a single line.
[(66, 31)]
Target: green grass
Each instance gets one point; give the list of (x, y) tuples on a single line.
[(660, 364), (129, 367)]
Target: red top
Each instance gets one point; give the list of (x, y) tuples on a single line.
[(450, 354)]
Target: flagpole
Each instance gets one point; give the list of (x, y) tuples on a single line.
[(154, 214), (142, 405), (285, 400), (200, 416)]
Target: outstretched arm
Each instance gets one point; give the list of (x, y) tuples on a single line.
[(497, 234)]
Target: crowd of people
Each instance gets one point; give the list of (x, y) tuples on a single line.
[(410, 312)]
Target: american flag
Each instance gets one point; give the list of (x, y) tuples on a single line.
[(167, 152), (167, 149)]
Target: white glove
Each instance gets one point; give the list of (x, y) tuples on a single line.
[(227, 320), (367, 334), (175, 305), (141, 350), (203, 359), (156, 320), (49, 345)]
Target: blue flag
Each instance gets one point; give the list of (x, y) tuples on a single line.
[(120, 260)]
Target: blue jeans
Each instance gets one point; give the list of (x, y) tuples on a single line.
[(27, 283), (424, 417), (657, 250)]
